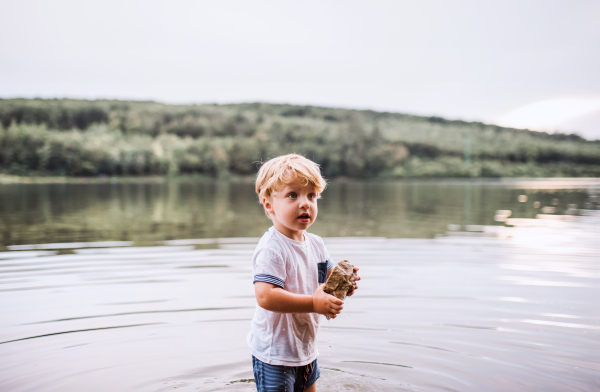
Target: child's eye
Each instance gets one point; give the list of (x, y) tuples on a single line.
[(311, 195), (292, 195)]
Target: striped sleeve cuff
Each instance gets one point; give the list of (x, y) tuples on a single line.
[(329, 265), (268, 279)]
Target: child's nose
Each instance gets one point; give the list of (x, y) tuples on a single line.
[(304, 202)]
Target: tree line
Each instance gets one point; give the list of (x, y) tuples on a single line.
[(88, 138)]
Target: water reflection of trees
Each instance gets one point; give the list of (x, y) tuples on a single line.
[(146, 212)]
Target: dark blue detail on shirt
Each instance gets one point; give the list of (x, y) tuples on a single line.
[(322, 271), (269, 279)]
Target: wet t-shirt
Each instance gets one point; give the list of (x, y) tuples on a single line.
[(287, 339)]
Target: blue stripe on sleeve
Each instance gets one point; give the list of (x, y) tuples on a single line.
[(268, 279), (329, 265)]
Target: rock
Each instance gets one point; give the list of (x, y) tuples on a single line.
[(341, 280)]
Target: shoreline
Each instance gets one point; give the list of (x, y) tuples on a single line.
[(148, 179), (12, 179)]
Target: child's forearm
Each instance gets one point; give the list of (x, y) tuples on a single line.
[(276, 299)]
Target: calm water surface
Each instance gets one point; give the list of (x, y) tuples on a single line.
[(149, 212), (490, 308)]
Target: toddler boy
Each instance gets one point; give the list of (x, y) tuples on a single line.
[(289, 268)]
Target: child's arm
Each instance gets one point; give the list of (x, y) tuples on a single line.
[(276, 299)]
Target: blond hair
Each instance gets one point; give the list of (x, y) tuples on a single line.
[(278, 172)]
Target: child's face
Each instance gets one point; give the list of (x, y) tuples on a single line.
[(293, 209)]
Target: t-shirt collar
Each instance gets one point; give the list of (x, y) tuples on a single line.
[(288, 239)]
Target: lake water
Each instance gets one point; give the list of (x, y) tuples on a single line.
[(455, 296), (148, 213)]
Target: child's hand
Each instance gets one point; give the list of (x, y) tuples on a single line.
[(355, 287), (326, 304)]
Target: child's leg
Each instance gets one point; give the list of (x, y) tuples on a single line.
[(272, 378), (306, 377)]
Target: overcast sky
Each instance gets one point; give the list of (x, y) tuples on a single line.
[(523, 63)]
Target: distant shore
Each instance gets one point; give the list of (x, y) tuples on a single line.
[(556, 182), (109, 139), (12, 179)]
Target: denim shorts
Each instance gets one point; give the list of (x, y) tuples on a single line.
[(274, 378)]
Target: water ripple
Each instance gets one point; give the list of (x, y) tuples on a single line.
[(380, 363), (78, 330), (139, 312), (437, 348), (559, 324), (469, 326)]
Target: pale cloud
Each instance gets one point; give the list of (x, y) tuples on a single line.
[(550, 114)]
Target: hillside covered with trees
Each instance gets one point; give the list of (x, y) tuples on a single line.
[(90, 138)]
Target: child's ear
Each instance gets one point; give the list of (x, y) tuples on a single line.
[(268, 206)]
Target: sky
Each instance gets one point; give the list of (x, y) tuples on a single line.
[(524, 63)]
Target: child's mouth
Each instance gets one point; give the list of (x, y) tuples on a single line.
[(304, 218)]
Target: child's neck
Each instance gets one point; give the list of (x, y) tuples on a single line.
[(291, 234)]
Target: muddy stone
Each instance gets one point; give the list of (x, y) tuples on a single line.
[(341, 280)]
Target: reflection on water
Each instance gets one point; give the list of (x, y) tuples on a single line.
[(466, 312), (148, 212)]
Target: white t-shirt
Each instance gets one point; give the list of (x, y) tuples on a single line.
[(287, 339)]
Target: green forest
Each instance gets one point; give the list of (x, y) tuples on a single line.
[(64, 137)]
